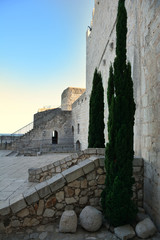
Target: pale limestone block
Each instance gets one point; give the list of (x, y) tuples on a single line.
[(90, 151), (48, 213), (40, 207), (68, 221), (87, 166), (70, 200), (83, 200), (60, 196), (72, 173), (75, 184), (31, 196), (84, 183), (124, 232), (56, 182), (23, 213), (43, 189), (4, 208), (17, 203), (100, 151), (58, 169)]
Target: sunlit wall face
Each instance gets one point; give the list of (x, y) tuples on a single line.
[(42, 52)]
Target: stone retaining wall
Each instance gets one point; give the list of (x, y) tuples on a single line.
[(74, 188), (50, 170)]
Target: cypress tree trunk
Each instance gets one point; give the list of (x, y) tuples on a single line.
[(116, 197), (96, 113)]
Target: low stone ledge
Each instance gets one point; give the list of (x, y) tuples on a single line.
[(4, 208), (100, 151), (87, 166), (43, 189), (31, 195), (17, 203), (74, 188), (72, 173), (56, 182)]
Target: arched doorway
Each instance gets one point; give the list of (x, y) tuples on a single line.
[(78, 146), (55, 137)]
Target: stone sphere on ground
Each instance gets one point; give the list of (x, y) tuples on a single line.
[(90, 219), (145, 228), (68, 222)]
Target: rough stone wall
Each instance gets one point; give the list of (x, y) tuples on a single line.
[(41, 136), (69, 96), (80, 118), (74, 188), (143, 51), (43, 117), (50, 170)]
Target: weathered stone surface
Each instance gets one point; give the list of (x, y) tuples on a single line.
[(60, 196), (17, 203), (68, 222), (49, 213), (4, 208), (69, 192), (124, 232), (56, 182), (87, 166), (145, 228), (83, 200), (51, 202), (84, 183), (28, 222), (72, 173), (100, 151), (43, 189), (91, 219), (70, 200), (59, 206), (16, 223), (40, 208), (23, 213), (31, 196), (75, 184)]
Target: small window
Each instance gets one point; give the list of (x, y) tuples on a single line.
[(78, 128)]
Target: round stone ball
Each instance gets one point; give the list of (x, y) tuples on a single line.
[(90, 219)]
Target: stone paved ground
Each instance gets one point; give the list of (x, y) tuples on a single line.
[(14, 172), (51, 232)]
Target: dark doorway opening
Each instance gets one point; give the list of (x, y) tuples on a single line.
[(55, 137), (78, 146)]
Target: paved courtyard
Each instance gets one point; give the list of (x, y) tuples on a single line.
[(14, 172)]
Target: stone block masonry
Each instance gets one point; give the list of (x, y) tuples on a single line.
[(73, 189), (50, 170)]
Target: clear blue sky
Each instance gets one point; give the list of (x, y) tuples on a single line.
[(42, 52)]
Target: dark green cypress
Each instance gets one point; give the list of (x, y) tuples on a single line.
[(117, 201), (96, 113)]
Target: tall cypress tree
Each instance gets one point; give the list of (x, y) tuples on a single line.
[(96, 113), (117, 196)]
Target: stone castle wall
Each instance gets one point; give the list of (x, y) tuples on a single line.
[(69, 96), (143, 51), (80, 118)]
